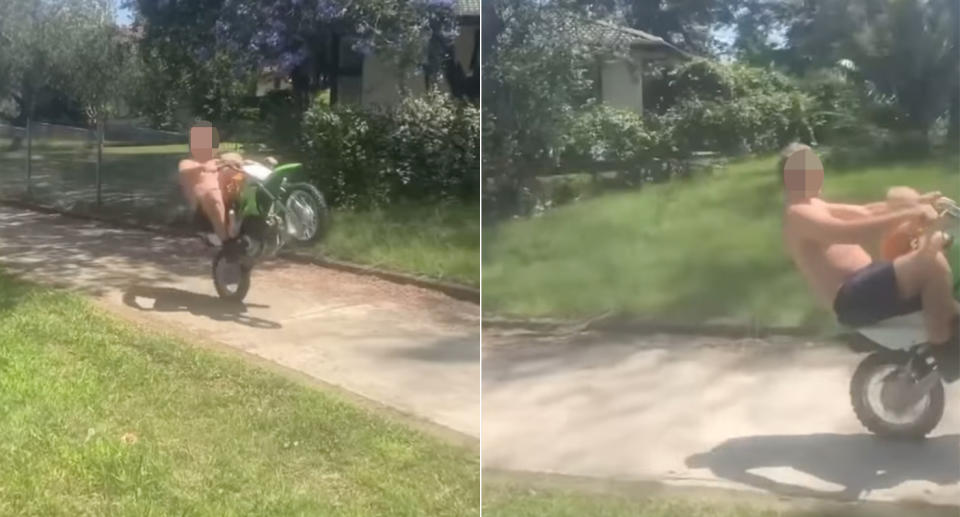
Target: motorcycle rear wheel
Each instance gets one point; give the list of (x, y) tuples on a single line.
[(227, 290), (866, 372)]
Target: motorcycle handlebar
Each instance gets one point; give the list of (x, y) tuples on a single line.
[(946, 206)]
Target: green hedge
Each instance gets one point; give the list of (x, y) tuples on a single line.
[(425, 147), (732, 108)]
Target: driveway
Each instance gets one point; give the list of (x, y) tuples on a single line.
[(747, 414), (406, 347)]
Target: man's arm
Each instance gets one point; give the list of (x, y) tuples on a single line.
[(822, 226), (849, 212), (898, 198), (188, 165)]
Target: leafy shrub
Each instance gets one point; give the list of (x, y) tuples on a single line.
[(342, 149), (745, 124), (855, 123), (435, 147), (424, 148), (731, 108), (838, 106), (706, 80), (605, 134), (622, 139)]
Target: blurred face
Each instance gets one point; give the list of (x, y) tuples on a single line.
[(803, 174), (201, 143)]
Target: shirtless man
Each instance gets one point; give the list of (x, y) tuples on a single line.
[(826, 242), (201, 178)]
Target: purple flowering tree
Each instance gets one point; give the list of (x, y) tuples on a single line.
[(230, 40)]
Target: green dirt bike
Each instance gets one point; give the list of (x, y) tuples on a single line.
[(270, 211)]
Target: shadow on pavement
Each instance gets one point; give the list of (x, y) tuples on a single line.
[(95, 257), (459, 349), (860, 462), (167, 299)]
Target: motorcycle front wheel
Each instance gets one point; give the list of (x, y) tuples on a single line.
[(307, 217), (231, 277), (878, 372)]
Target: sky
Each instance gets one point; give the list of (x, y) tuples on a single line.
[(124, 16)]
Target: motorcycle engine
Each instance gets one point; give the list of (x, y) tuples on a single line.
[(265, 235)]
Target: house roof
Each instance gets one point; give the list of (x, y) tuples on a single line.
[(467, 7), (609, 35)]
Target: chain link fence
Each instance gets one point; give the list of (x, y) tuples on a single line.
[(132, 178)]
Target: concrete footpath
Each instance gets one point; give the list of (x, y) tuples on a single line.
[(768, 415), (406, 347)]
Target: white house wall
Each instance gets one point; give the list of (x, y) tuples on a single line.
[(380, 75), (622, 84), (380, 82)]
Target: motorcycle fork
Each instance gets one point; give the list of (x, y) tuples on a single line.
[(273, 199), (276, 206), (923, 378), (234, 222)]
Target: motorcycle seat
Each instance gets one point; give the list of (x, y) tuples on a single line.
[(899, 332)]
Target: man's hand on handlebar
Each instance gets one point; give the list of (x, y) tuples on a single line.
[(937, 200), (926, 214), (930, 197)]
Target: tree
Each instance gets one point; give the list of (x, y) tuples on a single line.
[(34, 47), (100, 64), (64, 61), (300, 39), (536, 70), (189, 70), (902, 50)]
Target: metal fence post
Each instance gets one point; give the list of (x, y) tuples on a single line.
[(29, 155), (99, 160)]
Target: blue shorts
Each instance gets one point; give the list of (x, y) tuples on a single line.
[(871, 295)]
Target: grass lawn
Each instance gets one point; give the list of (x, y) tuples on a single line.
[(698, 250), (140, 183), (99, 417), (513, 500), (439, 241)]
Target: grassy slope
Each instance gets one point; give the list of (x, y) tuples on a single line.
[(440, 241), (703, 249), (100, 418)]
